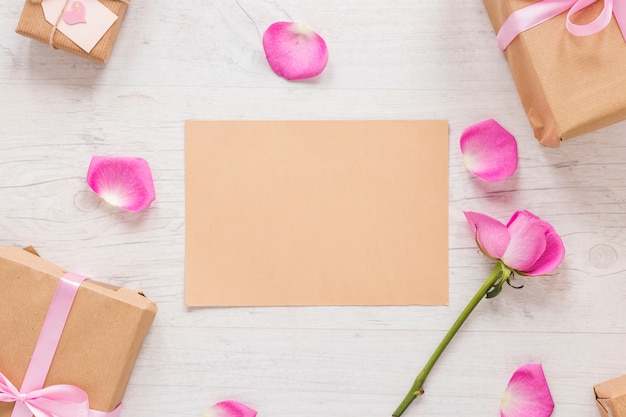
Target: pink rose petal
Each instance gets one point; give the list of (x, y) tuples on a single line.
[(122, 181), (294, 51), (492, 236), (528, 241), (551, 258), (489, 151), (527, 394), (230, 409)]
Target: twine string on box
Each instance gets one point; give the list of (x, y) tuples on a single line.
[(56, 24)]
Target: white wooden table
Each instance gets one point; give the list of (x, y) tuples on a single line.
[(395, 59)]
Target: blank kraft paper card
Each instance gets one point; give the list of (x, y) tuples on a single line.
[(300, 213)]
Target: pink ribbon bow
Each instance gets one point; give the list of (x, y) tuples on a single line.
[(52, 401), (537, 13)]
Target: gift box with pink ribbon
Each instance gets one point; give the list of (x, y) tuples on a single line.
[(567, 58), (69, 344), (87, 28)]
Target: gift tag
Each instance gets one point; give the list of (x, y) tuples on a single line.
[(83, 21)]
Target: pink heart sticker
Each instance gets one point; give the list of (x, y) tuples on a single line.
[(75, 14)]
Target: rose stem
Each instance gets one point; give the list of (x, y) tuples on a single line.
[(416, 388)]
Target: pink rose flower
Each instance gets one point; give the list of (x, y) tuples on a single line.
[(527, 244)]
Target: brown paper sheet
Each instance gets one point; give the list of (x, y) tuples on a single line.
[(568, 85), (316, 213), (100, 341), (33, 24)]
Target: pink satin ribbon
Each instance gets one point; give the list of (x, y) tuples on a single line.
[(55, 400), (537, 13)]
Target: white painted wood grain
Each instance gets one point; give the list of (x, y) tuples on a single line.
[(396, 59)]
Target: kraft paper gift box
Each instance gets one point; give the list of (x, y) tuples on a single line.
[(98, 343), (33, 24), (568, 85), (611, 397)]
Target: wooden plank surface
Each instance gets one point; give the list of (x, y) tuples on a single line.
[(396, 59)]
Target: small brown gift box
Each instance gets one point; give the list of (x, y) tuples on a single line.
[(33, 24), (611, 397), (101, 339), (568, 85)]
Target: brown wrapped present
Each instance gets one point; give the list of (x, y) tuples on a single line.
[(611, 397), (97, 345), (569, 85), (33, 24)]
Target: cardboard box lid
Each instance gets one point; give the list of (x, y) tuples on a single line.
[(101, 339), (611, 397)]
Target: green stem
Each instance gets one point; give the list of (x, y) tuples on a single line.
[(500, 271)]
